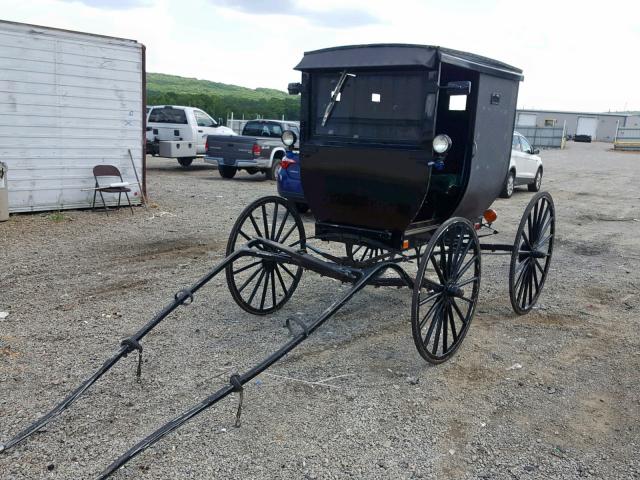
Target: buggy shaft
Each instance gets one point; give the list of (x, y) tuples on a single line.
[(124, 350), (367, 276)]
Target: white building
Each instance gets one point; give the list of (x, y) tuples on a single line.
[(68, 102), (600, 126)]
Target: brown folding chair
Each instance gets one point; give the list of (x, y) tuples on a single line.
[(109, 171)]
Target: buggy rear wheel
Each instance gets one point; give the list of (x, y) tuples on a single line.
[(262, 286), (531, 254), (446, 290)]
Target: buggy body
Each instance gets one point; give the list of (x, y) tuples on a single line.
[(369, 169)]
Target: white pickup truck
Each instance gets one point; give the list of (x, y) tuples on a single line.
[(179, 132)]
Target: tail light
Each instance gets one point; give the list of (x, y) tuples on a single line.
[(206, 144), (256, 150), (287, 162)]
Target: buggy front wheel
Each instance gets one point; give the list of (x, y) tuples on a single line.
[(531, 254), (262, 286), (446, 290)]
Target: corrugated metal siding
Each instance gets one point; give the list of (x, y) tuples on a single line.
[(543, 137), (68, 101)]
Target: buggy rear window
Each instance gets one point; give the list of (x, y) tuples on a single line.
[(168, 115), (378, 106), (262, 129)]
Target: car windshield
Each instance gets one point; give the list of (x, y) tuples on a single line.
[(378, 106)]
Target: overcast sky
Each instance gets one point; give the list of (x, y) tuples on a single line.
[(576, 55)]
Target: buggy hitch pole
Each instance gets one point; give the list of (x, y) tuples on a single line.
[(177, 422), (124, 350)]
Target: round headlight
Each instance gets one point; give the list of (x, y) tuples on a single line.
[(442, 143), (288, 138)]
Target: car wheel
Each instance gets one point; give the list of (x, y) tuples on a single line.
[(509, 184), (227, 172), (302, 207), (185, 161), (272, 173), (252, 171), (537, 182)]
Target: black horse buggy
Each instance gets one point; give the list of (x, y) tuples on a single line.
[(403, 149)]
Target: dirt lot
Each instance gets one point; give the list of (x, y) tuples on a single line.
[(74, 285)]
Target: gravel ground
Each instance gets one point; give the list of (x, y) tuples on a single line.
[(75, 285)]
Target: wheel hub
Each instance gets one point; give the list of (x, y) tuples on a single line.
[(538, 254), (452, 290)]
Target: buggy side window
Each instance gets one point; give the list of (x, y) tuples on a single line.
[(515, 145), (458, 103)]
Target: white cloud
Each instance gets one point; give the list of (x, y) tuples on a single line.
[(574, 56)]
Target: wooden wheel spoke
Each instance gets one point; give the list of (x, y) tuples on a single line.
[(445, 328), (535, 279), (287, 271), (434, 308), (265, 221), (247, 267), (429, 298), (274, 221), (284, 239), (537, 263), (443, 258), (280, 279), (462, 256), (522, 283), (255, 288), (544, 240), (255, 225), (468, 300), (452, 324), (467, 282), (437, 269), (264, 290), (432, 325), (526, 240), (284, 221), (466, 267), (436, 342), (273, 288), (244, 234), (521, 269), (248, 280), (459, 312)]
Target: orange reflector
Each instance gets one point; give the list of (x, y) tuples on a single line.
[(490, 215), (405, 244)]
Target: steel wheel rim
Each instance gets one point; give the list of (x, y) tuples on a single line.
[(538, 180), (263, 286), (510, 185), (531, 257), (446, 290)]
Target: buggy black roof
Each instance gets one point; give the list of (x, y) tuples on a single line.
[(401, 55)]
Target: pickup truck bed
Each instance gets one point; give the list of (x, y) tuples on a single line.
[(248, 152)]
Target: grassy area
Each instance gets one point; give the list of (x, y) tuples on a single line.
[(220, 99)]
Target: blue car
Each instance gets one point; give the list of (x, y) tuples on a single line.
[(289, 182)]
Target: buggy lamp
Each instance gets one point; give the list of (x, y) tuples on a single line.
[(490, 215), (288, 138), (442, 143)]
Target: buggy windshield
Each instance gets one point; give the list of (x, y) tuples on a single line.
[(374, 106)]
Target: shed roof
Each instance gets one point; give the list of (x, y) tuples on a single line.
[(401, 55)]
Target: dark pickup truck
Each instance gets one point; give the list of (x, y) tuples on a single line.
[(258, 149)]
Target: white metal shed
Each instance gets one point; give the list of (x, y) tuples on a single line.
[(68, 102)]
